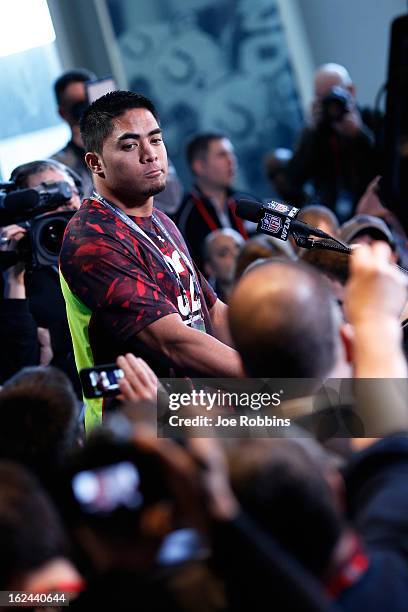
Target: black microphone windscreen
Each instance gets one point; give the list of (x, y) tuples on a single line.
[(249, 210), (19, 201)]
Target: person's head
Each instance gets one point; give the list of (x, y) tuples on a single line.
[(332, 75), (116, 499), (283, 485), (212, 160), (366, 229), (33, 174), (30, 529), (39, 418), (321, 217), (70, 94), (259, 248), (221, 248), (285, 322), (125, 149)]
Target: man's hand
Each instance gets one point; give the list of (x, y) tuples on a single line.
[(374, 297), (369, 203), (139, 383), (44, 340), (376, 289), (14, 276), (350, 124)]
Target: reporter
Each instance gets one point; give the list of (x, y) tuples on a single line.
[(335, 153), (32, 299)]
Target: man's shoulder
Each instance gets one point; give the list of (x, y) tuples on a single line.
[(92, 218)]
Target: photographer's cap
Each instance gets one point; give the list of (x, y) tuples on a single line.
[(366, 224)]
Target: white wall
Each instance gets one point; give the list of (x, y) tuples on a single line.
[(354, 33)]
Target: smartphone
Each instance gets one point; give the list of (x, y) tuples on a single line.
[(101, 381), (98, 88), (130, 481), (103, 490), (181, 546)]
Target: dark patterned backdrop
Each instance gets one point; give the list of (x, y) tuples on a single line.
[(212, 64)]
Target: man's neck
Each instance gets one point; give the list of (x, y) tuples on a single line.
[(218, 195), (143, 208)]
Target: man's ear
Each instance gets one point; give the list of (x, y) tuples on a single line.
[(347, 340), (352, 89), (63, 113), (197, 166), (94, 163)]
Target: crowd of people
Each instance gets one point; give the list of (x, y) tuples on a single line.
[(98, 510)]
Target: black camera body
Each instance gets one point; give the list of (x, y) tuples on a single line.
[(32, 210), (335, 105), (43, 243)]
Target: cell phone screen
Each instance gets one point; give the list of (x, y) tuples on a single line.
[(101, 381), (103, 490)]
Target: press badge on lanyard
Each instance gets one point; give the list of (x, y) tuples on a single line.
[(195, 321)]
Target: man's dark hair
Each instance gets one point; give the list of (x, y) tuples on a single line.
[(31, 532), (198, 146), (97, 121), (39, 414), (281, 484), (80, 75)]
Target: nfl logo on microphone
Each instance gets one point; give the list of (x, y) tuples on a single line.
[(270, 223)]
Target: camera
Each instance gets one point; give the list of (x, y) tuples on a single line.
[(31, 209), (110, 481), (335, 105)]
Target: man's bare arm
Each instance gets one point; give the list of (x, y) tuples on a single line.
[(190, 348), (219, 320), (375, 295)]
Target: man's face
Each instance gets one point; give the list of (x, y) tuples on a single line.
[(134, 159), (218, 166), (324, 83), (73, 95), (54, 176), (223, 252)]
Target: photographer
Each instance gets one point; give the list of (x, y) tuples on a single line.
[(336, 150), (33, 325)]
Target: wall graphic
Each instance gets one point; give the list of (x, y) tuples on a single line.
[(212, 65)]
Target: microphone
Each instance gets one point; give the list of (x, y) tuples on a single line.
[(276, 219), (20, 200), (24, 204)]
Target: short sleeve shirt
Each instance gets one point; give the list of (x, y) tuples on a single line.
[(116, 283)]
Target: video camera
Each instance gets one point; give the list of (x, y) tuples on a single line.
[(31, 209), (335, 105)]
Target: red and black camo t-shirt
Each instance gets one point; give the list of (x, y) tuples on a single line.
[(116, 284)]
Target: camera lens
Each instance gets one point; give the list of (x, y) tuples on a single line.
[(51, 235), (47, 232)]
